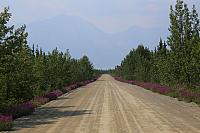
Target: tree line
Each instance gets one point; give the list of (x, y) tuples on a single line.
[(174, 62), (27, 72)]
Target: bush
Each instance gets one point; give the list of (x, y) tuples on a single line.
[(5, 122)]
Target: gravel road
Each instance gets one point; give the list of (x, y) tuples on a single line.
[(109, 106)]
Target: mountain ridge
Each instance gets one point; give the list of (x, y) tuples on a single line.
[(83, 38)]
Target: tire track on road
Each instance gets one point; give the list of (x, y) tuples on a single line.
[(120, 113), (85, 123), (127, 114), (106, 116)]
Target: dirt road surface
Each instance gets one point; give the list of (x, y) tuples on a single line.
[(109, 106)]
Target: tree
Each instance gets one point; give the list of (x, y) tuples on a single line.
[(184, 37), (28, 72)]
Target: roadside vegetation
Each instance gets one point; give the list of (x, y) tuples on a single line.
[(173, 68), (30, 77)]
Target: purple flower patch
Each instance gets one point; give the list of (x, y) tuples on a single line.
[(5, 122), (54, 94), (22, 109), (38, 101), (189, 95), (150, 86), (182, 93), (68, 88)]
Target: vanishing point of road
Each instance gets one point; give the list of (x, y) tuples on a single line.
[(109, 106)]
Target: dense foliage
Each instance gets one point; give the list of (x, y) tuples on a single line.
[(176, 62), (28, 72)]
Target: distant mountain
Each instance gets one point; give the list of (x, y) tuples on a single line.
[(147, 36), (81, 37)]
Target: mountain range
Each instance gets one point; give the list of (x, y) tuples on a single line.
[(81, 37)]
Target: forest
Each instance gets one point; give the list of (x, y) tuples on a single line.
[(175, 62)]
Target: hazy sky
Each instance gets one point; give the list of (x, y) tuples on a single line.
[(108, 15)]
